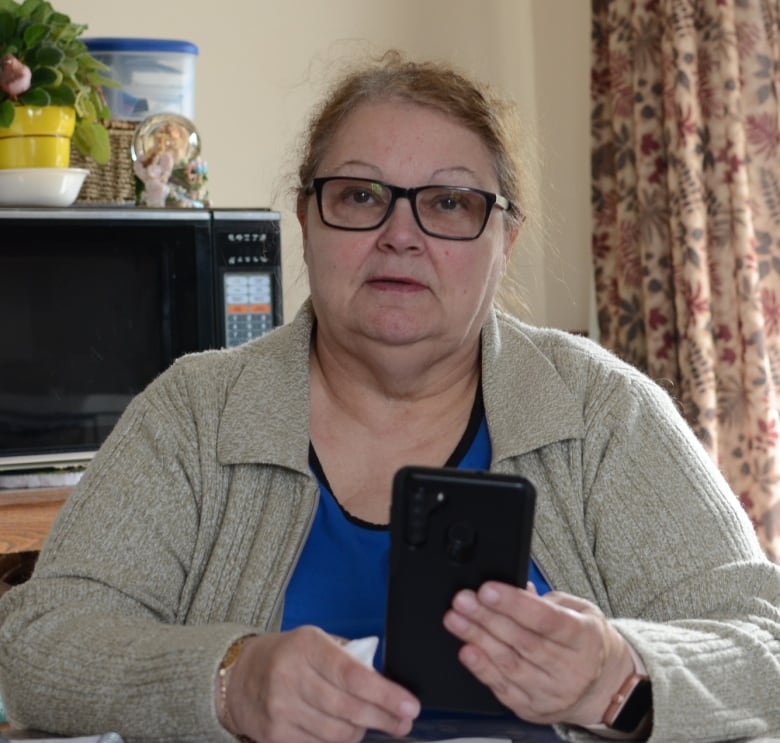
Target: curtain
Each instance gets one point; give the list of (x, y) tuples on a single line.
[(686, 220)]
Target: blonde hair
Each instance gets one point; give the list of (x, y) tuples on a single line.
[(432, 84)]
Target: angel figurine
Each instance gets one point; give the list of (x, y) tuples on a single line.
[(169, 170)]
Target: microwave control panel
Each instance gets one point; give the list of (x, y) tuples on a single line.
[(249, 262), (248, 306)]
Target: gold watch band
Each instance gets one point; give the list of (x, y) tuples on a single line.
[(228, 661)]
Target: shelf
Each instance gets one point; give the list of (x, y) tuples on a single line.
[(26, 517)]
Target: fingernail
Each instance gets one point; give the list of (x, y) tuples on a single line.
[(468, 657), (465, 601), (489, 595), (456, 622), (410, 709)]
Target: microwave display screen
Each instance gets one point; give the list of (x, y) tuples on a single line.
[(83, 330)]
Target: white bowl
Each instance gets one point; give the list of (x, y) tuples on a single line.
[(40, 186)]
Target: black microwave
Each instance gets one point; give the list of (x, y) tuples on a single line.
[(96, 302)]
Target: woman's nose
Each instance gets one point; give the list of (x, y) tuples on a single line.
[(401, 230)]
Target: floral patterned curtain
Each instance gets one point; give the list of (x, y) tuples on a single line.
[(686, 233)]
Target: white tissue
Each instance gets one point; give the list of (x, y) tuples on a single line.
[(363, 649)]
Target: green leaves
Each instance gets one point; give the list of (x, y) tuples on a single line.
[(6, 114), (45, 55), (91, 140), (46, 77), (7, 28), (63, 96), (36, 97), (62, 70), (33, 35)]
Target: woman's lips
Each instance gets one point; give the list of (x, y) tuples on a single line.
[(395, 283)]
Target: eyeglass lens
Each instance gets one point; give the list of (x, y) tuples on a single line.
[(356, 203)]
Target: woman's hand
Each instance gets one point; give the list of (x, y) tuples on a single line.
[(302, 686), (550, 659)]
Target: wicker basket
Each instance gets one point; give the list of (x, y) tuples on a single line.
[(113, 183)]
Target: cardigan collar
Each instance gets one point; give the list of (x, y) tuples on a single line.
[(266, 415), (527, 402)]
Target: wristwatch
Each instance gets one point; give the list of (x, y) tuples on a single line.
[(632, 706), (231, 656)]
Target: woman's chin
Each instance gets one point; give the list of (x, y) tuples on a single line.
[(396, 331)]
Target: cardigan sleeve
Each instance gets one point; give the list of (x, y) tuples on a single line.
[(98, 631), (178, 540), (686, 581)]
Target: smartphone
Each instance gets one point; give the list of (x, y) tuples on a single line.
[(449, 529)]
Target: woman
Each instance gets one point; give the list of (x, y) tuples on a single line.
[(231, 532)]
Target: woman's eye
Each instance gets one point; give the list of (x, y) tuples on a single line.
[(449, 202), (360, 196)]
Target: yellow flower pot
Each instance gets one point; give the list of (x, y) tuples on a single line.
[(39, 137)]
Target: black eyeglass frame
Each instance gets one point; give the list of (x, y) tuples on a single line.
[(399, 192)]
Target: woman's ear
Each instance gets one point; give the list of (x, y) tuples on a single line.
[(509, 241), (300, 210)]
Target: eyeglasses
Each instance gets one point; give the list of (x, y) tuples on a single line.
[(449, 212)]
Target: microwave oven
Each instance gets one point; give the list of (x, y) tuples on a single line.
[(96, 302)]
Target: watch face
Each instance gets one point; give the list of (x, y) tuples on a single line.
[(636, 707)]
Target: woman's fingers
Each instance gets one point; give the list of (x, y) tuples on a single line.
[(550, 659), (304, 685), (355, 692)]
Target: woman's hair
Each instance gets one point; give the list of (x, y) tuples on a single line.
[(431, 84)]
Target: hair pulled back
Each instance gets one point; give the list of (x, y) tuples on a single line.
[(431, 84)]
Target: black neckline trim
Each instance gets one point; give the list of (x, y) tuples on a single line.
[(466, 441), (475, 419)]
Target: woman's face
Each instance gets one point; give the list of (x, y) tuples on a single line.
[(395, 285)]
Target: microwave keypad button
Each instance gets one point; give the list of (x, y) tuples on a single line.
[(248, 307)]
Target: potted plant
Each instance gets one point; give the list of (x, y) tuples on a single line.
[(44, 63)]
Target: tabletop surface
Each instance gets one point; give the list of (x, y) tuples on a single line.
[(441, 728), (426, 729)]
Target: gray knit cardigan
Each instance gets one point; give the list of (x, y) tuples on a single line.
[(185, 528)]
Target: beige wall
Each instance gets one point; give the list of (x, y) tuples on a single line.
[(262, 64)]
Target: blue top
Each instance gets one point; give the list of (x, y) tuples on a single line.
[(340, 581)]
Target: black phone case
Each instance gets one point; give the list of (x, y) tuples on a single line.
[(449, 529)]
